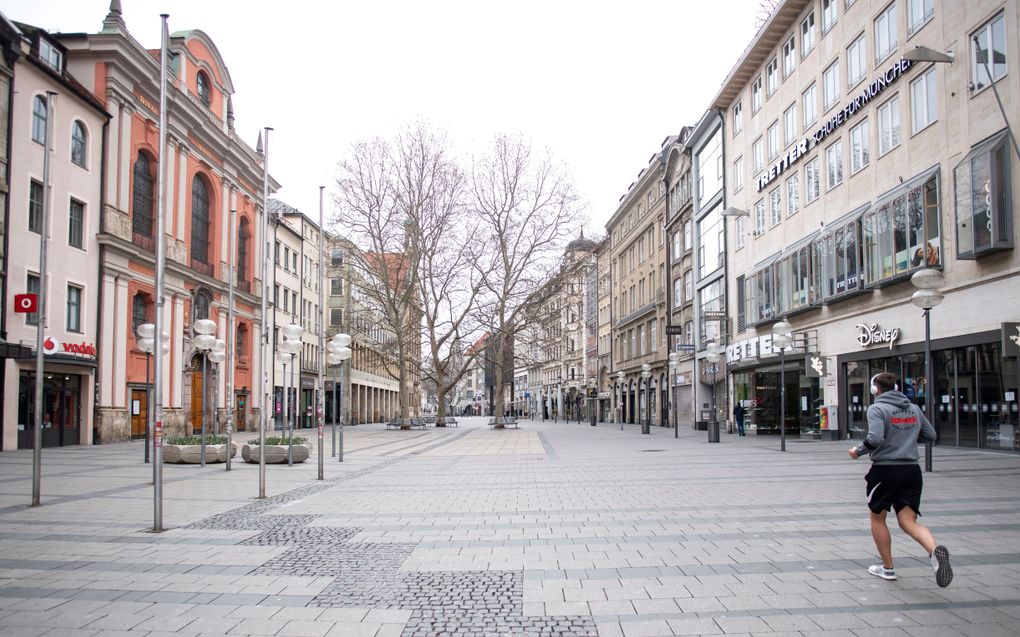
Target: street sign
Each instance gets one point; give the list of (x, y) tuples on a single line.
[(685, 347), (713, 316), (26, 303), (674, 330)]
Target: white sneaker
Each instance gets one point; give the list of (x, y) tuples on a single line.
[(879, 570), (940, 564)]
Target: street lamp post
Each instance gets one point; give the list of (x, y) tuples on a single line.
[(338, 352), (646, 421), (619, 405), (217, 356), (782, 337), (674, 362), (715, 353), (927, 282), (145, 333), (592, 402), (204, 342), (288, 347)]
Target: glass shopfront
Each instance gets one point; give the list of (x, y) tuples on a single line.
[(61, 409), (975, 393), (759, 390)]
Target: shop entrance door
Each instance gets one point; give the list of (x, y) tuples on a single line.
[(858, 393), (139, 412), (241, 413), (196, 402)]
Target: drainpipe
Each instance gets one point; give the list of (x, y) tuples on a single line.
[(102, 274)]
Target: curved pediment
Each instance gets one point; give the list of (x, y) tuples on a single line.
[(203, 52)]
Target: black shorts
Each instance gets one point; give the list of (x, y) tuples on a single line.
[(894, 486)]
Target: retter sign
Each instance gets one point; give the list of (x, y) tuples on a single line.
[(840, 117)]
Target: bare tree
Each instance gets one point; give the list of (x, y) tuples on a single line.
[(528, 207), (765, 10), (402, 204)]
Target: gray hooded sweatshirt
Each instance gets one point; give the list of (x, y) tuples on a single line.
[(895, 427)]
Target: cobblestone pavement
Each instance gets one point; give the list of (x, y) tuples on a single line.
[(555, 529)]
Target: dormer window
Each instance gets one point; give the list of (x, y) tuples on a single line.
[(50, 55), (202, 84)]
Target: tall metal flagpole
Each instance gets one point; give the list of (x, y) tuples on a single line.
[(231, 336), (320, 324), (40, 326), (157, 436), (266, 360)]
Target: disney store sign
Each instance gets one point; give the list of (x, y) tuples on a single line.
[(871, 334)]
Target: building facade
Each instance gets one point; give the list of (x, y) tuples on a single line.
[(209, 172), (50, 105), (854, 166), (638, 272)]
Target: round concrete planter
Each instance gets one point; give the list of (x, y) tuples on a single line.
[(192, 454), (276, 454)]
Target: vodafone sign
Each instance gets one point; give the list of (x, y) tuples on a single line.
[(53, 346)]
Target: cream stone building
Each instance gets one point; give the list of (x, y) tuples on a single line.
[(850, 166), (638, 274)]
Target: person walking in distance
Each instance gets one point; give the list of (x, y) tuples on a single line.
[(895, 427), (738, 414)]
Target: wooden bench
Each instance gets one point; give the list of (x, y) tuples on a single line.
[(406, 423)]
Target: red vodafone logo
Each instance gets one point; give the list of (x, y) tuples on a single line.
[(50, 345), (88, 349)]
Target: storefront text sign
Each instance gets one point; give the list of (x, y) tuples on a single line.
[(872, 334), (758, 347), (839, 117)]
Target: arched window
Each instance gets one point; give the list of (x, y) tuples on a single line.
[(241, 339), (199, 220), (139, 311), (79, 143), (200, 305), (39, 119), (202, 84), (142, 198), (243, 234)]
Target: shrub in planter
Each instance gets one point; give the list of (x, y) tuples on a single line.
[(277, 449), (188, 449)]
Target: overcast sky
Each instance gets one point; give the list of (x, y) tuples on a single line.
[(600, 84)]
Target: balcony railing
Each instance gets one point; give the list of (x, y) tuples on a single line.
[(143, 241), (201, 267), (244, 286)]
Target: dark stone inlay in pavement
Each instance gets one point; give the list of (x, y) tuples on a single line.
[(287, 535)]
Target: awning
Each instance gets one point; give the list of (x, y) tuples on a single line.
[(840, 222), (14, 350), (984, 146)]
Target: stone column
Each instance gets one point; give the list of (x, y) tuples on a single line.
[(109, 345), (115, 105), (176, 324), (169, 172), (125, 164), (122, 310), (182, 192)]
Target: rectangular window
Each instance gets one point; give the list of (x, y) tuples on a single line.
[(812, 180), (860, 153), (790, 124), (759, 217), (689, 285), (756, 98), (758, 149), (336, 316), (856, 62), (902, 234), (792, 195), (789, 56), (771, 77), (50, 55), (885, 33), (830, 84), (810, 101), (834, 164), (293, 302), (922, 101), (919, 12), (76, 224), (276, 253), (738, 174), (773, 137), (711, 171), (676, 246), (276, 295), (740, 229), (688, 235), (678, 292), (286, 257), (828, 14), (73, 308), (35, 206), (807, 34), (336, 287), (711, 247), (988, 52), (889, 125), (775, 206), (738, 117), (32, 287)]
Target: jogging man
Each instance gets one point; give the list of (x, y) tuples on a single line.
[(895, 426)]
